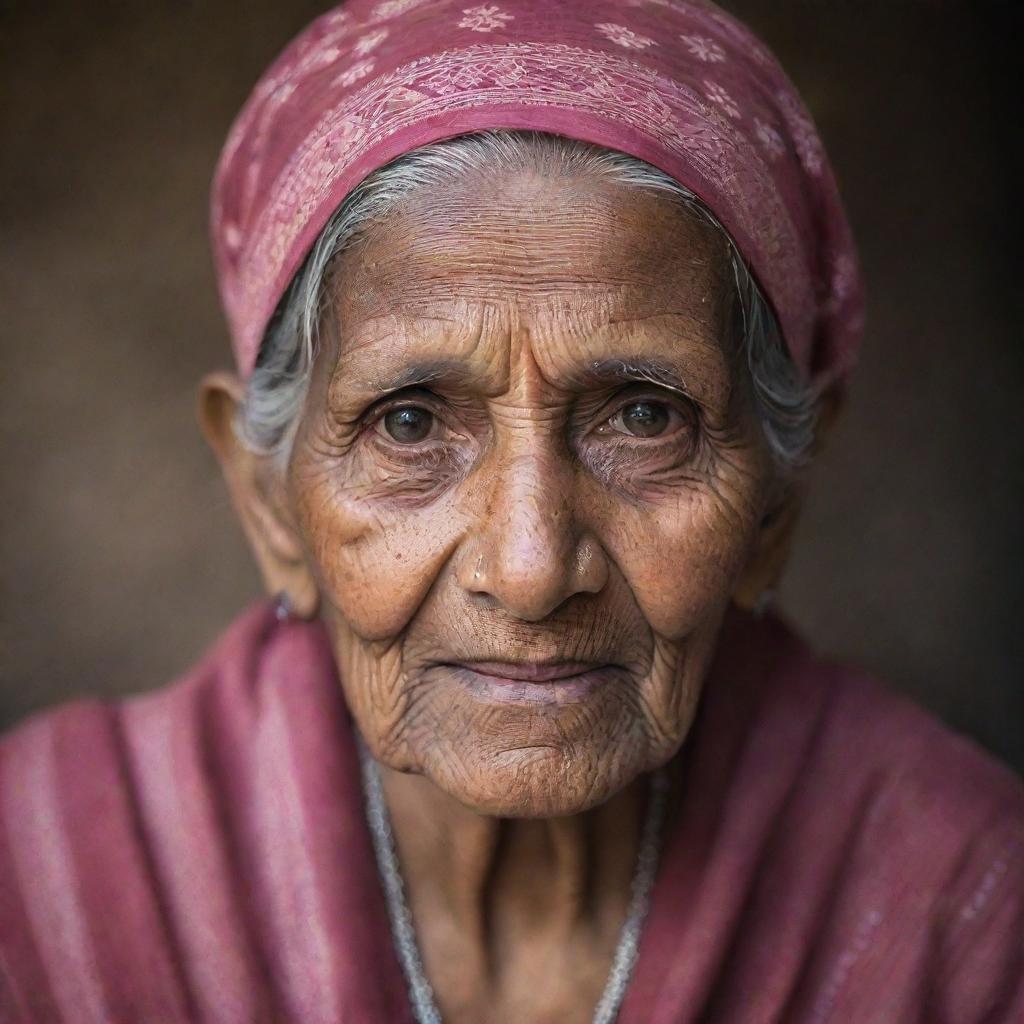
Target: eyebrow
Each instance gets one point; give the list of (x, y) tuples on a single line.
[(418, 374), (638, 368), (614, 370)]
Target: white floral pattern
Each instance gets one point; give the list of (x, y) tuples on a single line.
[(719, 96), (704, 49), (615, 85), (352, 74), (560, 76), (389, 8), (335, 20), (770, 138), (369, 42), (625, 37), (282, 93), (321, 58), (485, 18), (805, 138)]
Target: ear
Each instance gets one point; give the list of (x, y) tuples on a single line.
[(775, 537), (256, 483)]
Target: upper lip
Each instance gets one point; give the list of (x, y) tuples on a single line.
[(531, 671)]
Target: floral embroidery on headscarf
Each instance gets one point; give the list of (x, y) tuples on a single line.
[(336, 19), (389, 8), (370, 42), (485, 18), (624, 36), (679, 83), (352, 75), (322, 58), (769, 138), (717, 94), (704, 49), (805, 137)]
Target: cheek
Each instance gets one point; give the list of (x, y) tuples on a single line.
[(682, 558), (374, 563)]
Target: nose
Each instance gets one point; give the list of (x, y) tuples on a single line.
[(529, 554)]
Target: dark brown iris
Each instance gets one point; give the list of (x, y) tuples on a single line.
[(409, 425), (645, 419)]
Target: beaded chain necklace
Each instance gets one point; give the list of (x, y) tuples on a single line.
[(420, 993)]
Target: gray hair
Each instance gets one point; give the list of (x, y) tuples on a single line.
[(277, 388)]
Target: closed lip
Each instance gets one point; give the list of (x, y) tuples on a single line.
[(531, 672), (529, 684)]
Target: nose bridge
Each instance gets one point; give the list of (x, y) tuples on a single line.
[(528, 542)]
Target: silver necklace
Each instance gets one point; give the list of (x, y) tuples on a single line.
[(420, 993)]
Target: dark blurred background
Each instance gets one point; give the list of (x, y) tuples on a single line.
[(120, 552)]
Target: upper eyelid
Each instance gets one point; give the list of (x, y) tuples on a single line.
[(685, 420), (403, 396), (662, 387), (373, 416), (673, 398)]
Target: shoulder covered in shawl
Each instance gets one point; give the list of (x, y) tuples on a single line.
[(200, 853), (194, 853), (842, 855)]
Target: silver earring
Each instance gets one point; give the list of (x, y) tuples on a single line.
[(282, 606)]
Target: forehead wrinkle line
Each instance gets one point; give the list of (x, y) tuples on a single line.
[(347, 371)]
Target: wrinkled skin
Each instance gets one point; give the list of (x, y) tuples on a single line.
[(528, 496)]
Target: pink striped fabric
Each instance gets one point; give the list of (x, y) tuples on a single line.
[(677, 83), (200, 854)]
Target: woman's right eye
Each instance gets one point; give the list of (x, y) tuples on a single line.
[(408, 424), (642, 419)]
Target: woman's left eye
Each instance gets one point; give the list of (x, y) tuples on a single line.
[(644, 418), (408, 424)]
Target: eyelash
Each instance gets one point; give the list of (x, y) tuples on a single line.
[(376, 414)]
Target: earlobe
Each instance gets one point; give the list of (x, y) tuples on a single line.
[(258, 494)]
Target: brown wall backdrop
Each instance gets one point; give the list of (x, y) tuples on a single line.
[(121, 556)]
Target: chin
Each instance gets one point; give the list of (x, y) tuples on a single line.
[(535, 750), (534, 781)]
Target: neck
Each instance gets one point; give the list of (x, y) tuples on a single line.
[(497, 900)]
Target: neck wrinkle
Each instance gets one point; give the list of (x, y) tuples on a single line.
[(498, 882)]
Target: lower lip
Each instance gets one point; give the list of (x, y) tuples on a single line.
[(566, 690)]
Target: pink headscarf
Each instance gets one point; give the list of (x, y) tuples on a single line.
[(677, 83)]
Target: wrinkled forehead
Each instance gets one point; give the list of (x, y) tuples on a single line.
[(533, 240), (677, 84), (583, 273)]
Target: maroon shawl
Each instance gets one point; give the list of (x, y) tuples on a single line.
[(200, 853)]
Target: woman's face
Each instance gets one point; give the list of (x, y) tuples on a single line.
[(526, 482)]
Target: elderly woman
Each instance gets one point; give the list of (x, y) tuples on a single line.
[(539, 308)]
